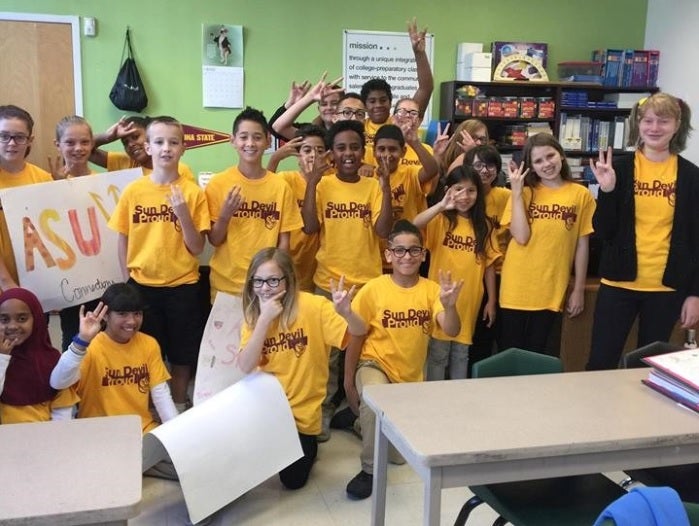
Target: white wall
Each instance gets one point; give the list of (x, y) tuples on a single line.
[(671, 27)]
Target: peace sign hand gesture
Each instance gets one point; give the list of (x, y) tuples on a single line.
[(604, 172), (517, 176)]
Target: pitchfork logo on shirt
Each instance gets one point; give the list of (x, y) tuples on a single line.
[(655, 189), (267, 212)]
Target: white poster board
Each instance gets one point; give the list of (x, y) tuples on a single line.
[(216, 368), (64, 251), (382, 55), (227, 445)]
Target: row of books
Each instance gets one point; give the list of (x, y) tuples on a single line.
[(676, 375), (586, 134), (625, 68)]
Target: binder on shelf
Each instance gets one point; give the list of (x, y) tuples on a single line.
[(612, 67), (627, 73), (653, 67), (619, 124), (640, 68)]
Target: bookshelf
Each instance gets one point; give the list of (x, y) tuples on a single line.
[(572, 110)]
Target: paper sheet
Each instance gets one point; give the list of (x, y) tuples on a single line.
[(228, 444), (216, 367)]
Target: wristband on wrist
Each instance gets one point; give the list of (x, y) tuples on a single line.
[(78, 340)]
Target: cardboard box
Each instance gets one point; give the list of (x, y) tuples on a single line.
[(478, 60), (474, 74)]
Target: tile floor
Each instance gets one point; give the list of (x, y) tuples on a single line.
[(322, 502)]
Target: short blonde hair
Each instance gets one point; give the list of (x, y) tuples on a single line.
[(663, 105)]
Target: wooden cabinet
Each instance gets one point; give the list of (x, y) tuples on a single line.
[(509, 109)]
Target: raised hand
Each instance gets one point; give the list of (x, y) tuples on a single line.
[(517, 175), (91, 321), (448, 289), (323, 89), (177, 201), (417, 38), (442, 140), (451, 194), (57, 167), (288, 149), (271, 307), (384, 172), (409, 129), (342, 299), (296, 92), (232, 203), (7, 344), (465, 141), (603, 171), (314, 166)]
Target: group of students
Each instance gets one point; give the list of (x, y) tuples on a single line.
[(329, 257)]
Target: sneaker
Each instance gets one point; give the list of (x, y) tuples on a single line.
[(361, 486), (343, 419)]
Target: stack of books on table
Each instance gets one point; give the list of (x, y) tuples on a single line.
[(676, 375)]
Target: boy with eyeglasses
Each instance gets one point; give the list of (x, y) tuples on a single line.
[(350, 107), (400, 310), (16, 127)]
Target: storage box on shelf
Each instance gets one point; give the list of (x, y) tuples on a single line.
[(584, 117)]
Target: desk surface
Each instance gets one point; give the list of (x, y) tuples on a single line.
[(525, 417), (74, 472)]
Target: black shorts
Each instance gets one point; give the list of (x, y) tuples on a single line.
[(173, 318)]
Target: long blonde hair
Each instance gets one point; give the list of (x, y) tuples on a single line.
[(251, 303)]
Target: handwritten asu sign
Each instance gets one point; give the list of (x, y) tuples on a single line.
[(64, 251)]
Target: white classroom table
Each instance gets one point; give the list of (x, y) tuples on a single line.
[(84, 471), (470, 432)]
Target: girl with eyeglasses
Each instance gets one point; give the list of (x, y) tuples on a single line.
[(16, 127), (461, 238), (289, 333)]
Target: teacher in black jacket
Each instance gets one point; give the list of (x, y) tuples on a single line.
[(647, 217)]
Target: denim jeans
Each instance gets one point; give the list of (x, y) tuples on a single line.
[(446, 355)]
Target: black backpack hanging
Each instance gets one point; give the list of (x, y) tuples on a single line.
[(128, 92)]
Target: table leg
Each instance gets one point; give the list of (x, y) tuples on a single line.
[(433, 498), (378, 503)]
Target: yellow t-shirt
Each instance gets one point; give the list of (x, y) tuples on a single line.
[(400, 321), (349, 245), (370, 130), (535, 276), (409, 159), (30, 174), (156, 254), (495, 203), (455, 252), (22, 414), (116, 378), (121, 161), (269, 209), (298, 357), (654, 201), (303, 246)]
